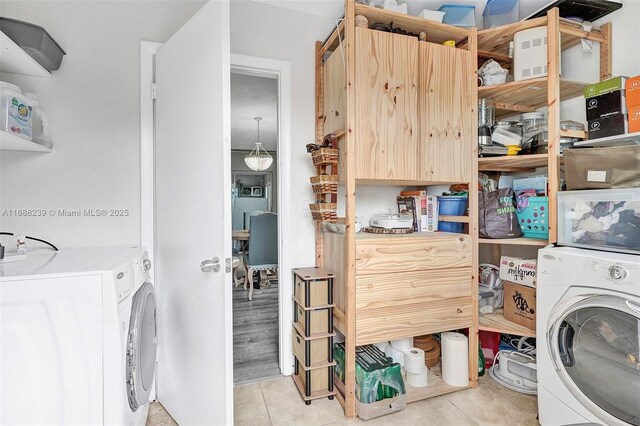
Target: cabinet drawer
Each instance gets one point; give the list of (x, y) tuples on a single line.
[(400, 321), (392, 255), (406, 288)]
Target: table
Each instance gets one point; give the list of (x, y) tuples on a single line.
[(240, 235)]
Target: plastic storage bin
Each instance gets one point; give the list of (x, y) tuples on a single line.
[(500, 12), (459, 15), (534, 219), (34, 40), (451, 205), (432, 15), (602, 219), (530, 53)]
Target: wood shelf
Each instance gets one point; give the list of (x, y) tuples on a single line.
[(314, 395), (16, 61), (310, 308), (313, 336), (510, 163), (435, 387), (526, 95), (497, 323), (315, 366), (9, 142), (496, 40), (618, 140), (437, 32), (457, 219), (435, 235), (515, 241)]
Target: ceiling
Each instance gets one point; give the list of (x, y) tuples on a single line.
[(335, 8), (253, 96)]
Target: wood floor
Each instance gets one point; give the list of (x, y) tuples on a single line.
[(255, 334)]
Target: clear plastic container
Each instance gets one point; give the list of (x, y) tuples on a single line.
[(602, 219), (40, 122), (500, 12), (16, 112), (459, 15)]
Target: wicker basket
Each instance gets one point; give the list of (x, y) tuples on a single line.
[(324, 212), (325, 156), (325, 184)]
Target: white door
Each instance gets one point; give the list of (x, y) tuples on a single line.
[(193, 220)]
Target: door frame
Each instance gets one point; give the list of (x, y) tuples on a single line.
[(252, 65), (281, 70)]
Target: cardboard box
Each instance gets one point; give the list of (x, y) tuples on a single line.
[(520, 304), (605, 86), (518, 270), (634, 119), (609, 126), (606, 105), (632, 87)]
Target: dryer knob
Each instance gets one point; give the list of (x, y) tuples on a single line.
[(146, 264), (617, 272)]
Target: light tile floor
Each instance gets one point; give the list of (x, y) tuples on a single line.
[(277, 402)]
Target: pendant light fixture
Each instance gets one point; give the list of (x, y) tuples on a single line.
[(258, 159)]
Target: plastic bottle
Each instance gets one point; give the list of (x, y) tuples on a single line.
[(16, 112)]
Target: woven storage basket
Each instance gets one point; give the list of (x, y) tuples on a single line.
[(324, 211), (325, 184), (325, 156)]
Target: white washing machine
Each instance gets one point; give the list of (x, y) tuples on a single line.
[(588, 347), (78, 338)]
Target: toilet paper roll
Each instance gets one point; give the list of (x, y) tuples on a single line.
[(402, 344), (417, 380), (398, 356), (382, 346), (455, 359), (414, 361)]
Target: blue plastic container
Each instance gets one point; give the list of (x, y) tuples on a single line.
[(534, 219), (500, 12), (459, 15), (451, 205)]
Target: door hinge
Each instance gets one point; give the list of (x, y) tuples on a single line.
[(154, 90), (227, 264)]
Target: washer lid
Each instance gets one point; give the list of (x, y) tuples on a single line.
[(141, 347)]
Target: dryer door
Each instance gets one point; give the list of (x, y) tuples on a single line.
[(595, 345), (141, 346)]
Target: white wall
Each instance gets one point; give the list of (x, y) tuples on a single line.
[(261, 30), (93, 106)]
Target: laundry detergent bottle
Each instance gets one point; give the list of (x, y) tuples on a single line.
[(16, 112), (40, 122)]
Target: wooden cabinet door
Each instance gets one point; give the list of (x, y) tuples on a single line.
[(446, 108), (386, 105)]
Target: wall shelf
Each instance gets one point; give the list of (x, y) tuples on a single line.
[(618, 140), (497, 323), (510, 163), (435, 386), (9, 142), (13, 59), (526, 95)]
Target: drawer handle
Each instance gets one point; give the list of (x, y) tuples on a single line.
[(459, 310)]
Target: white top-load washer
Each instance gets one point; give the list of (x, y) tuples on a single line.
[(588, 346), (78, 337)]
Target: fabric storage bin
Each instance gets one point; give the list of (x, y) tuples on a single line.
[(602, 168), (534, 218), (451, 205), (459, 15), (313, 321), (312, 352), (600, 219)]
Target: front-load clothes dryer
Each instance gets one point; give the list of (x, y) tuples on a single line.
[(78, 338), (588, 345)]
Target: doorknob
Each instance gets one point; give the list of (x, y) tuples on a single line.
[(210, 265)]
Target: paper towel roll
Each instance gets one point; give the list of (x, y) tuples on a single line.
[(455, 359), (398, 356), (402, 344), (417, 380), (414, 361)]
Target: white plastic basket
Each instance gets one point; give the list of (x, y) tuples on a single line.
[(530, 54)]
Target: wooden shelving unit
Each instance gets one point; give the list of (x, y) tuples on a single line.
[(399, 125), (496, 322), (9, 142), (526, 96)]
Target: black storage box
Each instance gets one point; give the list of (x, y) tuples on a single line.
[(606, 105), (608, 126), (34, 40)]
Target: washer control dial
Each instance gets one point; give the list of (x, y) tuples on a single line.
[(618, 272)]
